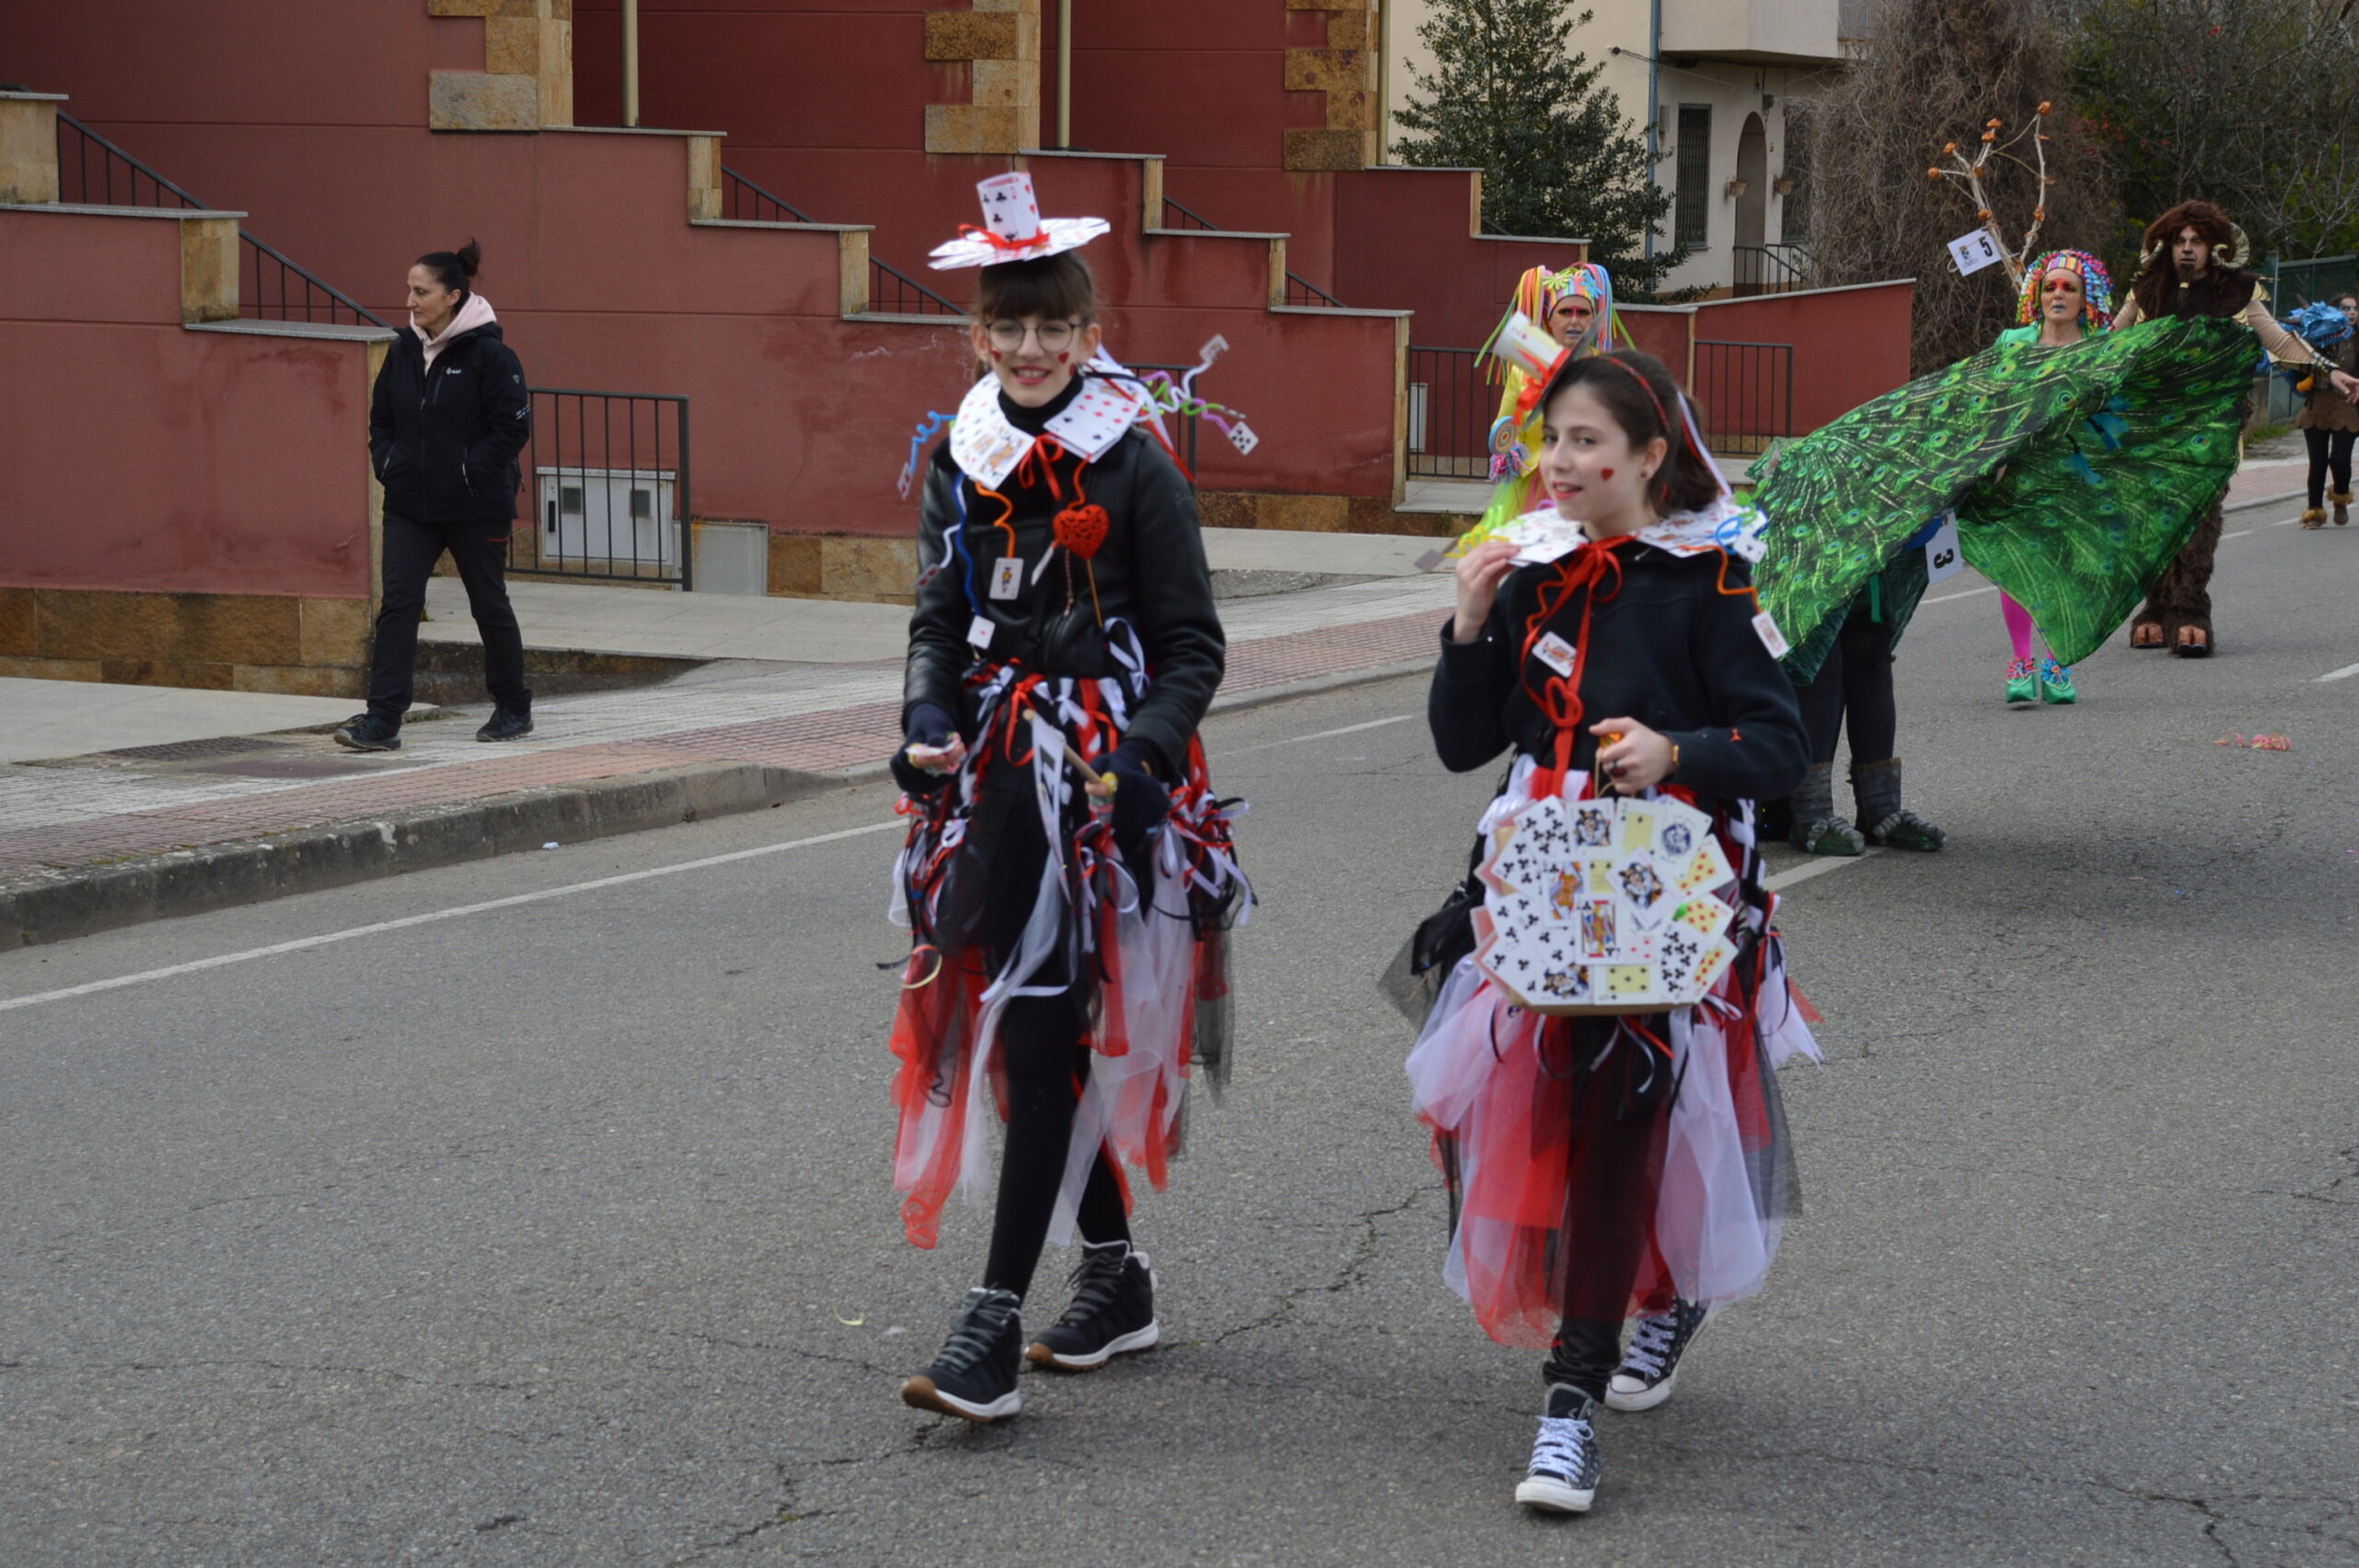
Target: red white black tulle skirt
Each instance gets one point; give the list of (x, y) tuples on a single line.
[(1600, 1167), (1143, 945)]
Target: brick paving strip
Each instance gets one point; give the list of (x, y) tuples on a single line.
[(84, 842)]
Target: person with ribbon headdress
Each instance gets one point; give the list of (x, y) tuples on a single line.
[(1069, 877), (1575, 309), (2191, 265), (1603, 1168), (2067, 295)]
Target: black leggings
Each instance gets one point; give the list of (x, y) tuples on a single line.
[(2328, 449), (1855, 686), (480, 551), (1046, 1063)]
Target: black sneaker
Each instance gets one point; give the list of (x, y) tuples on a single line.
[(505, 724), (1112, 1312), (366, 732), (1651, 1363), (974, 1378), (1565, 1468)]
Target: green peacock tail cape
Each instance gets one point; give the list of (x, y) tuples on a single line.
[(2077, 475)]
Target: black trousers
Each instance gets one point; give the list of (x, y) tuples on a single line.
[(2328, 449), (1853, 686), (480, 551), (1045, 1064)]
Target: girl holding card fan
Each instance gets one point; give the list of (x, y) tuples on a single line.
[(1609, 1163), (1068, 876)]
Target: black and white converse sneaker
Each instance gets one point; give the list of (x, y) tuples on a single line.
[(1651, 1363), (975, 1375), (1563, 1478), (1112, 1312)]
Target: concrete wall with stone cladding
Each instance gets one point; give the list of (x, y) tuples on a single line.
[(179, 506)]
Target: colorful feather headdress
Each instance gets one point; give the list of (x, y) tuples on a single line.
[(2096, 289)]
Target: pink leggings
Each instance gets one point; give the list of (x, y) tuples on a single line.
[(2018, 625)]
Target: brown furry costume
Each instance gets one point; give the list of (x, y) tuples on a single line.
[(2182, 595)]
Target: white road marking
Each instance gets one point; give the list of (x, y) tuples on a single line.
[(1961, 594), (1817, 867), (330, 938), (1226, 752), (2343, 674)]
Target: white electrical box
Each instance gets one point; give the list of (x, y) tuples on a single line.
[(621, 515)]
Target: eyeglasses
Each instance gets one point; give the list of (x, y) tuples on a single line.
[(1054, 336)]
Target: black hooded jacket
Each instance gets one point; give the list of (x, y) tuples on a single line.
[(443, 441), (1149, 572), (1673, 646)]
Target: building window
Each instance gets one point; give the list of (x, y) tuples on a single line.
[(1691, 209)]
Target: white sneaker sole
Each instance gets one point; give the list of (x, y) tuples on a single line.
[(918, 1393), (1136, 1339), (1553, 1496), (1638, 1399)]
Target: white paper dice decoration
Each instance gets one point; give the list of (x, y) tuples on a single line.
[(1605, 906)]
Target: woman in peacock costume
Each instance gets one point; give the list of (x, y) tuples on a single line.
[(2067, 295), (2074, 479), (1576, 307)]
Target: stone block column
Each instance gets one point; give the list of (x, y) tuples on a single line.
[(527, 76), (999, 43), (1343, 70)]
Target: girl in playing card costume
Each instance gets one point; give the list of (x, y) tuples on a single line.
[(1633, 1163), (1068, 877)]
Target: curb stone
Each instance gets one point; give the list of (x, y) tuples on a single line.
[(58, 905)]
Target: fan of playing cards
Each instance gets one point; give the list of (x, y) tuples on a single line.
[(1605, 906)]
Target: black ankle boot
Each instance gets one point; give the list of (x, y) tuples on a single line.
[(1112, 1312), (974, 1378)]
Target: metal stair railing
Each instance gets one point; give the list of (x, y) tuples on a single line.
[(750, 203), (1300, 290), (319, 301)]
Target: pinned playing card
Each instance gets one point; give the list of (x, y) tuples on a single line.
[(1241, 436), (1764, 626)]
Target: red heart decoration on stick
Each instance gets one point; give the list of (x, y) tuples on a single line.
[(1082, 529)]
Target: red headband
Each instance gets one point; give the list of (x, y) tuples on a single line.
[(1648, 388)]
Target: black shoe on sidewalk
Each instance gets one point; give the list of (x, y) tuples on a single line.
[(1112, 1312), (974, 1378), (505, 724), (366, 732)]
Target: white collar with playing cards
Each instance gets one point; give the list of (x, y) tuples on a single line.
[(1725, 524), (987, 446)]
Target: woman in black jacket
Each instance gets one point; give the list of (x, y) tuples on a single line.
[(1068, 875), (449, 415), (1604, 1167)]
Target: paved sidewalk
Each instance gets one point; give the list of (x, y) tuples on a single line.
[(69, 818)]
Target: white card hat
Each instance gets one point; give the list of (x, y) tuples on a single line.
[(1013, 229), (1523, 346)]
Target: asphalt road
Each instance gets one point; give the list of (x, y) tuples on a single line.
[(560, 1232)]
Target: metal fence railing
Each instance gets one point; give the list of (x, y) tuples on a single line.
[(891, 291), (1177, 216), (1744, 394), (606, 474), (1451, 406), (93, 172), (2310, 281), (1301, 291), (1768, 269)]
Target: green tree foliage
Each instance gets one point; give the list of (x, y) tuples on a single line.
[(1511, 96), (2253, 104)]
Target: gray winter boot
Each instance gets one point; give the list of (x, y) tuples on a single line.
[(1876, 787), (1817, 830)]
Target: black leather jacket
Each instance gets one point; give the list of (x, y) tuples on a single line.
[(1150, 572)]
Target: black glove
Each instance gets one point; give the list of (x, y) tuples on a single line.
[(1141, 799), (924, 725)]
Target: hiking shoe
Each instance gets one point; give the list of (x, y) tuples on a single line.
[(2022, 680), (974, 1378), (1651, 1363), (1112, 1312), (368, 732), (2056, 682), (505, 724), (1563, 1477)]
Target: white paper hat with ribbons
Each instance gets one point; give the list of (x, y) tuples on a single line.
[(1013, 229)]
